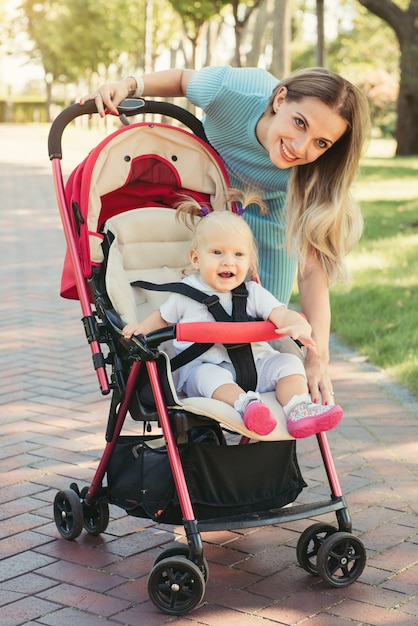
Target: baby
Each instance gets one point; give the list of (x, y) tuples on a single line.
[(223, 255)]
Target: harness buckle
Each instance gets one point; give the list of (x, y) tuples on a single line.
[(211, 301)]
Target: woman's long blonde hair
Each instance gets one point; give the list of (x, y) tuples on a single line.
[(321, 214)]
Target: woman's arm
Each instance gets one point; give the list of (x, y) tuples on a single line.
[(314, 298), (164, 84)]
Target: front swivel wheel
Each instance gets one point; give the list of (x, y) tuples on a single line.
[(176, 585), (309, 543), (68, 514), (183, 551), (341, 559), (96, 516)]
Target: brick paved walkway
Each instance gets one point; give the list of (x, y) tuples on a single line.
[(52, 422)]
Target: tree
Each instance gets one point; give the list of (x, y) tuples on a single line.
[(320, 46), (281, 38), (404, 22), (195, 17), (68, 48), (242, 12), (268, 35)]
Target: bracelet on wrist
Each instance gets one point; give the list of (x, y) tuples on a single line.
[(139, 89)]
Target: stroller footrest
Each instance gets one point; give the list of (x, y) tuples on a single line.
[(288, 513)]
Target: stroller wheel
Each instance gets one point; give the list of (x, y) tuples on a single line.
[(68, 514), (309, 543), (182, 551), (96, 516), (341, 559), (176, 585)]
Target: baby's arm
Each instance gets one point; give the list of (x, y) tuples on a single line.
[(150, 323), (291, 323)]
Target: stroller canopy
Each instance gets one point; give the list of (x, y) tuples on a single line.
[(141, 165)]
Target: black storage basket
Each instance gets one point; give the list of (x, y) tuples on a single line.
[(223, 480)]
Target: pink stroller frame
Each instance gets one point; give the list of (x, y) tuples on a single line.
[(128, 184)]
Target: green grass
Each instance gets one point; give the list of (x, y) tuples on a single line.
[(377, 311)]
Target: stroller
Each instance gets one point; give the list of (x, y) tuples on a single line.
[(193, 461)]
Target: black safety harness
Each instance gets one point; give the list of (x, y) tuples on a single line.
[(241, 355)]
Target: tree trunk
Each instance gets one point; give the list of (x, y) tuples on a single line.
[(148, 60), (320, 43), (282, 16), (405, 25), (256, 34), (239, 26), (407, 127), (48, 103)]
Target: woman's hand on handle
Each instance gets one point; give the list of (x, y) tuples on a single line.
[(110, 95), (164, 84)]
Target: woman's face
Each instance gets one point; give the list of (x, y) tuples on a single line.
[(299, 132)]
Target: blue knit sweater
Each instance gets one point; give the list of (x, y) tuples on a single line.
[(233, 100)]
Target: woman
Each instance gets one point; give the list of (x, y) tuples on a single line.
[(299, 143)]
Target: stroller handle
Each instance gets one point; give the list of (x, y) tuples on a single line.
[(128, 108)]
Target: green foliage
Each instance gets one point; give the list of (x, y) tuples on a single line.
[(198, 11), (193, 16), (369, 43), (365, 50), (72, 36)]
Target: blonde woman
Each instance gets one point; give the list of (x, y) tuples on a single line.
[(298, 142)]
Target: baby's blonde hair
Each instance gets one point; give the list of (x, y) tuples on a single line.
[(196, 217)]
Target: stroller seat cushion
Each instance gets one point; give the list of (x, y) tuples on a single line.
[(228, 417), (149, 244), (222, 412)]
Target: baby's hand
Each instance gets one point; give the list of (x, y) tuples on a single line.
[(132, 329), (299, 332)]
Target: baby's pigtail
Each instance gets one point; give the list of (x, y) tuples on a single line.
[(245, 198), (189, 209)]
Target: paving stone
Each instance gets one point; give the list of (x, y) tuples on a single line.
[(21, 611)]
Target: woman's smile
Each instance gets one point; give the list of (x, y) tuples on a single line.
[(287, 154)]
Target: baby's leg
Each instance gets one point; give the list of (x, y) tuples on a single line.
[(213, 381), (204, 379), (290, 386)]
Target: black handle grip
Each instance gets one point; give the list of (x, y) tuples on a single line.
[(128, 107)]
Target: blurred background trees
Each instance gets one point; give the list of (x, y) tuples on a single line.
[(78, 44)]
